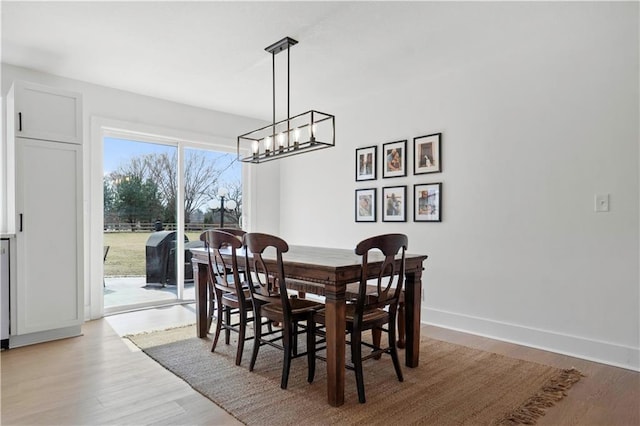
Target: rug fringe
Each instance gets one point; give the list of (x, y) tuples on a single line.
[(529, 412), (144, 333)]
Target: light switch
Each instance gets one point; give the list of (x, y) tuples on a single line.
[(602, 202)]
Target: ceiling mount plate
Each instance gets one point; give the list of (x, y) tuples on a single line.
[(281, 45)]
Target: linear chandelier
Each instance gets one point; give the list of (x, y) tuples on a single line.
[(309, 131)]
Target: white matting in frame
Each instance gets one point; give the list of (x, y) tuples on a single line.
[(427, 202), (426, 154), (394, 204), (366, 205), (394, 159)]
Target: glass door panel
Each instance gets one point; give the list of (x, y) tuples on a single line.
[(207, 174), (139, 224)]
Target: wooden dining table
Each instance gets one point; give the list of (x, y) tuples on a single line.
[(333, 268)]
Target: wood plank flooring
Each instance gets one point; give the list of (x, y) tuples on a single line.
[(97, 379), (100, 378)]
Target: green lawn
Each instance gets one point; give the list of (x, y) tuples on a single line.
[(127, 252)]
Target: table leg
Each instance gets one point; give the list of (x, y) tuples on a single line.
[(413, 296), (335, 329), (200, 271)]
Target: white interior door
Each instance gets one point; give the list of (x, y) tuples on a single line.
[(48, 240)]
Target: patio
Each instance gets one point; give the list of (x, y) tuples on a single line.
[(130, 293)]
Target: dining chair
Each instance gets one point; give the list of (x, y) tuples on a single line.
[(376, 306), (238, 233), (305, 287), (234, 231), (227, 287), (211, 296), (271, 300)]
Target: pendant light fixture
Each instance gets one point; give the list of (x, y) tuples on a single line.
[(309, 131)]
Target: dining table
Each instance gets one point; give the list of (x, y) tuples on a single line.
[(333, 269)]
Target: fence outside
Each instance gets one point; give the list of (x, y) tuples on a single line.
[(151, 226)]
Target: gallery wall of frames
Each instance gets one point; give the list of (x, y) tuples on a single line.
[(393, 198)]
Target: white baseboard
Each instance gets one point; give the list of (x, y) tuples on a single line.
[(593, 350), (16, 341)]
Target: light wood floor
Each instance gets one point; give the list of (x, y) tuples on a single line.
[(100, 378)]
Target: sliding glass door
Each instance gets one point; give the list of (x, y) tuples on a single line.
[(147, 261)]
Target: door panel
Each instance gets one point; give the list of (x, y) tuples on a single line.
[(48, 240)]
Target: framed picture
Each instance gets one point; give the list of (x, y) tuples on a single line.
[(366, 160), (427, 202), (426, 154), (394, 204), (366, 205), (394, 159)]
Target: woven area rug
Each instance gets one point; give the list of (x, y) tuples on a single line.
[(454, 385)]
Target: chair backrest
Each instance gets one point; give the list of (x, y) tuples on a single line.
[(219, 268), (266, 280), (234, 231), (390, 277)]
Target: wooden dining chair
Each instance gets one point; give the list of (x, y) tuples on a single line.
[(238, 233), (234, 231), (376, 306), (227, 287), (271, 300), (211, 313), (304, 287)]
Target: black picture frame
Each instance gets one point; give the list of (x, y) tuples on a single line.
[(366, 163), (394, 159), (394, 203), (427, 202), (427, 154), (365, 205)]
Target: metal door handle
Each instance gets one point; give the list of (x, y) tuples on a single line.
[(19, 121), (20, 222)]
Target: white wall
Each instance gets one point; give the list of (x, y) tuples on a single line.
[(115, 106), (531, 132)]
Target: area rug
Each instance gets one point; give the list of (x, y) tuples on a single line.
[(453, 385)]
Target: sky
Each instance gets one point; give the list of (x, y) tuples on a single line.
[(118, 152)]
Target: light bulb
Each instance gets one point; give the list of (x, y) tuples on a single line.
[(267, 143), (255, 147), (312, 133), (281, 139), (296, 135)]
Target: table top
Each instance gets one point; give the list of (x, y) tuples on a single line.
[(324, 263)]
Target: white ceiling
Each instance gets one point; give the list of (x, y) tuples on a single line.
[(211, 54)]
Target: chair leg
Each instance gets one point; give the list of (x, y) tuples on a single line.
[(213, 301), (257, 336), (393, 349), (376, 334), (210, 314), (311, 348), (227, 322), (356, 358), (401, 325), (294, 334), (241, 334), (286, 341), (218, 325)]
